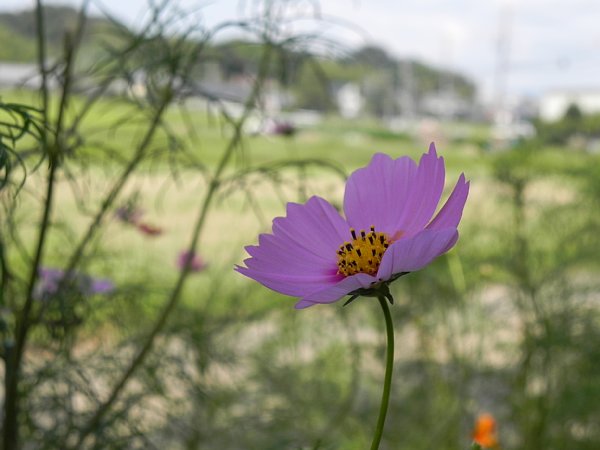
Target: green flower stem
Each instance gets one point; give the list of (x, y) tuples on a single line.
[(389, 366)]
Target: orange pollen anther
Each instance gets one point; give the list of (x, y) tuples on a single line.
[(363, 254)]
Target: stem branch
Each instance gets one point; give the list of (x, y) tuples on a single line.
[(174, 296), (387, 383)]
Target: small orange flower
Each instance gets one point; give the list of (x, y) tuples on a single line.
[(485, 431)]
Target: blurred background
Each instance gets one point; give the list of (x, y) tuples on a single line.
[(143, 144)]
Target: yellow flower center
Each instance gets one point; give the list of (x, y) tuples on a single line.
[(363, 254)]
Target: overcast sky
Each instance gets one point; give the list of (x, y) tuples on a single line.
[(551, 43)]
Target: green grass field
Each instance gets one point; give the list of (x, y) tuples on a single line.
[(507, 322)]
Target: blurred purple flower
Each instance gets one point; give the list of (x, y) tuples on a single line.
[(196, 264), (101, 286), (129, 214), (283, 129), (317, 255), (50, 279)]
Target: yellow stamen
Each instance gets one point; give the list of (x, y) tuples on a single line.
[(363, 254)]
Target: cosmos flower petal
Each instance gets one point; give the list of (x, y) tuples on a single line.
[(451, 212), (315, 225), (414, 253), (425, 193), (276, 254), (377, 193), (294, 285), (279, 265), (301, 251), (334, 292)]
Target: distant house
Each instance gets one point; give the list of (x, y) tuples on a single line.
[(349, 100), (445, 104), (554, 104), (238, 90)]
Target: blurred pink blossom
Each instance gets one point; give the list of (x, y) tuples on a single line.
[(196, 264), (149, 230)]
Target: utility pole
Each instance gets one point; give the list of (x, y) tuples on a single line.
[(407, 89), (501, 112)]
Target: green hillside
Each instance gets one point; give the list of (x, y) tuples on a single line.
[(17, 47), (18, 32), (312, 80)]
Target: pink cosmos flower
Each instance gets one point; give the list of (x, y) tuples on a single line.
[(317, 255), (283, 129), (196, 263)]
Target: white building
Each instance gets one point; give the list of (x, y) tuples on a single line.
[(18, 75), (349, 100), (554, 104)]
